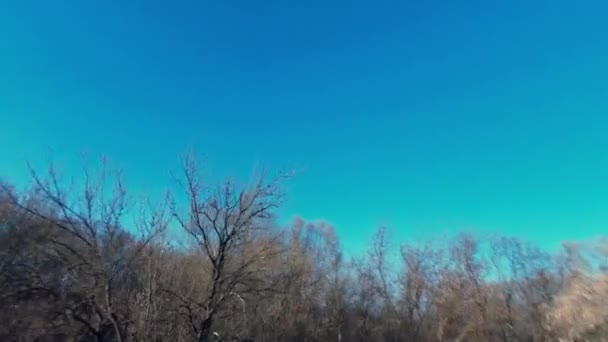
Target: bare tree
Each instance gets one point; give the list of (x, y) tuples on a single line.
[(233, 230), (80, 261), (90, 245), (579, 311), (418, 283)]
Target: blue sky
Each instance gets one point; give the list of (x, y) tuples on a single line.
[(429, 117)]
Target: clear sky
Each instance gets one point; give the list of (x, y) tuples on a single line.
[(426, 116)]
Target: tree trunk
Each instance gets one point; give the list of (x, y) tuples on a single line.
[(205, 330), (117, 330)]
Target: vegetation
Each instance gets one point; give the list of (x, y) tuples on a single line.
[(91, 263)]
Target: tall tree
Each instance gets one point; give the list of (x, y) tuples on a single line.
[(233, 230)]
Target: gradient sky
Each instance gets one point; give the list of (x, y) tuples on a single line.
[(426, 116)]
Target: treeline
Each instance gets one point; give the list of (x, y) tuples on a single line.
[(88, 262)]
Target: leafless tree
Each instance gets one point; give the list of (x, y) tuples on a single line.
[(418, 283), (233, 230), (87, 242), (579, 311), (83, 261)]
